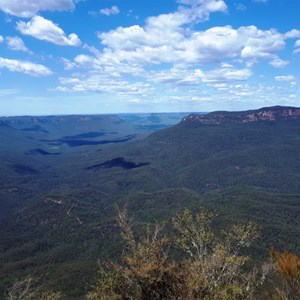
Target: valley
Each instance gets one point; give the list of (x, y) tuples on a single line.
[(62, 176)]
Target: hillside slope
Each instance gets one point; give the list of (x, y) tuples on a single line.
[(244, 165)]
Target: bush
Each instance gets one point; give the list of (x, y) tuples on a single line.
[(212, 266), (29, 289)]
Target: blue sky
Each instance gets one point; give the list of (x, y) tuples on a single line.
[(114, 56)]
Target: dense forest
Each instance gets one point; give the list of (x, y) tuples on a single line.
[(227, 183), (184, 259)]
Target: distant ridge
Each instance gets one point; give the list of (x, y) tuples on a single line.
[(23, 120), (274, 113)]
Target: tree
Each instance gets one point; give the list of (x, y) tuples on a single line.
[(211, 266), (145, 272), (215, 264), (286, 276), (29, 289)]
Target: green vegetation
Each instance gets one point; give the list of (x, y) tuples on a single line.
[(184, 259), (60, 220), (212, 267), (28, 289)]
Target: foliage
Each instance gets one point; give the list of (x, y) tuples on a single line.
[(145, 273), (213, 267), (286, 266), (29, 289)]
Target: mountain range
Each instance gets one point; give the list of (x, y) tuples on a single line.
[(61, 176)]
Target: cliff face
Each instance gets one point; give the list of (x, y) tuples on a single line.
[(269, 114)]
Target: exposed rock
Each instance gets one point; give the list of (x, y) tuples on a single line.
[(264, 114)]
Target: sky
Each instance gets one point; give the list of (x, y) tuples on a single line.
[(126, 56)]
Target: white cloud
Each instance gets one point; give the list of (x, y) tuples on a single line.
[(177, 75), (226, 74), (240, 6), (189, 2), (29, 8), (297, 46), (199, 11), (194, 3), (165, 39), (68, 64), (102, 84), (15, 43), (127, 38), (278, 63), (260, 44), (46, 30), (172, 44), (169, 55), (181, 76), (294, 33), (1, 39), (26, 67), (132, 50), (153, 45), (114, 10), (92, 49), (200, 98), (212, 45), (106, 65), (288, 78)]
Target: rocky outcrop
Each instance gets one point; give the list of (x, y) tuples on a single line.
[(268, 114)]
